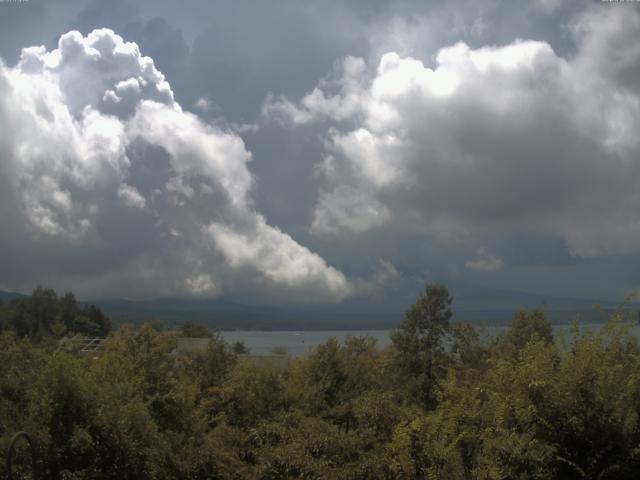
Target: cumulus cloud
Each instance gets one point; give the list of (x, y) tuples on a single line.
[(202, 284), (94, 143), (484, 262), (131, 197), (348, 209), (277, 257), (347, 84), (509, 136)]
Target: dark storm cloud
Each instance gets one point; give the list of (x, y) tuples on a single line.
[(527, 201), (241, 57)]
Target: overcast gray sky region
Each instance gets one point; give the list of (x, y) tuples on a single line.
[(319, 151)]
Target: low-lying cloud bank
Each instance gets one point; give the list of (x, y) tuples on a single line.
[(105, 179)]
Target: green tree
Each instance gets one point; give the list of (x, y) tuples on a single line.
[(69, 310), (254, 393), (466, 347), (191, 329), (419, 342), (239, 348), (92, 322), (526, 327), (211, 367)]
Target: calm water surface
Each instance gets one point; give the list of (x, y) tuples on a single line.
[(302, 342), (298, 343)]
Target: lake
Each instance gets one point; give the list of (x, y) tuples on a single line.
[(300, 343)]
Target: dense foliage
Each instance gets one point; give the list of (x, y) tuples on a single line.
[(44, 315), (193, 329), (441, 402)]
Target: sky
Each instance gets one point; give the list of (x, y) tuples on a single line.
[(321, 151)]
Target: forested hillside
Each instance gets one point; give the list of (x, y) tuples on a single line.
[(439, 403)]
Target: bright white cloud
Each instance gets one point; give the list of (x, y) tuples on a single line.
[(278, 258), (318, 103), (196, 148), (93, 143), (499, 136)]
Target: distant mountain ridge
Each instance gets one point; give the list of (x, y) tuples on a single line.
[(229, 315), (478, 305), (7, 296)]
